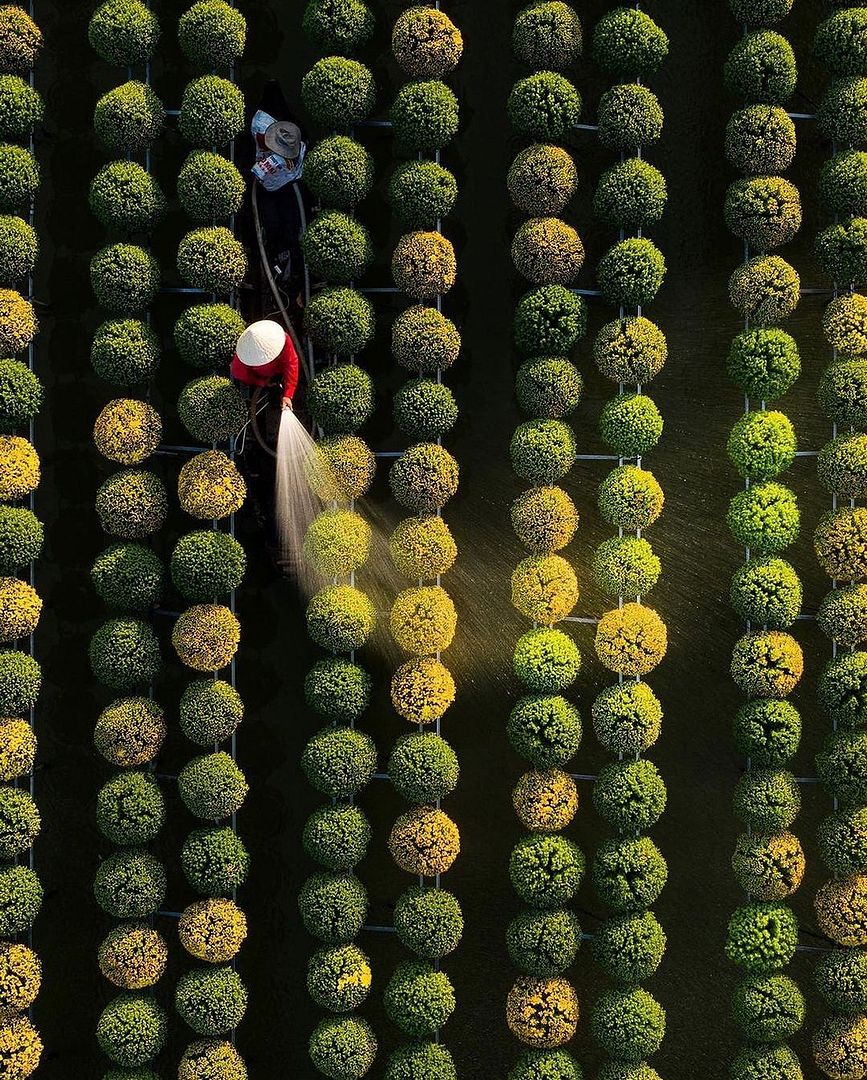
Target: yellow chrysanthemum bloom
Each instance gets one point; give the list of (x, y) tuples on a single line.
[(20, 978), (17, 748), (210, 486), (422, 690), (841, 910), (19, 468), (343, 470), (545, 801), (18, 323), (423, 620), (206, 637), (127, 431), (631, 640), (542, 1012), (20, 1049), (20, 608), (769, 866), (840, 1047), (133, 956), (544, 589), (213, 930), (424, 841)]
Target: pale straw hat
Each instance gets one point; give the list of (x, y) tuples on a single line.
[(261, 343)]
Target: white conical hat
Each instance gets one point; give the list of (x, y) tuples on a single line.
[(261, 343)]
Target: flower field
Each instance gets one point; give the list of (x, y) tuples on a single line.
[(541, 755)]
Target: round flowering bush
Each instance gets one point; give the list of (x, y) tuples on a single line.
[(840, 542), (547, 35), (628, 1024), (210, 187), (424, 116), (130, 732), (838, 43), (423, 620), (125, 352), (339, 978), (841, 766), (764, 363), (212, 786), (18, 323), (631, 195), (544, 106), (769, 731), (212, 34), (20, 899), (842, 465), (543, 451), (628, 43), (424, 841), (339, 761), (210, 486), (133, 956), (845, 325), (761, 69), (127, 431), (627, 718), (130, 884), (19, 467), (128, 577), (336, 247), (760, 12), (124, 32), (768, 1007), (422, 548), (206, 637), (128, 118), (131, 504), (339, 171), (423, 265), (762, 937), (842, 112), (768, 866), (544, 588), (428, 1059), (630, 795), (212, 409), (130, 808), (544, 519), (422, 690), (542, 1012), (340, 320), (125, 278), (631, 424), (630, 948), (761, 140), (764, 517), (337, 542), (212, 259), (764, 211), (840, 1046), (630, 498), (343, 1047), (843, 392), (424, 478), (17, 749), (21, 538), (765, 289), (22, 39), (843, 841), (341, 399), (337, 837), (631, 273), (841, 910), (210, 711), (340, 27), (125, 198), (549, 387), (629, 117), (19, 178), (542, 179), (212, 112), (213, 930), (842, 250), (124, 653), (767, 799), (767, 592), (205, 335), (544, 729), (20, 977), (338, 92), (418, 998), (424, 340), (631, 350), (762, 444), (20, 682), (629, 874), (843, 183), (545, 801), (426, 43), (340, 618), (423, 767), (210, 1057), (21, 107), (19, 248), (631, 640), (19, 822), (543, 942), (841, 979), (549, 321), (626, 566), (214, 861), (211, 1001), (547, 251), (20, 608), (842, 615), (131, 1030), (428, 921), (767, 663)]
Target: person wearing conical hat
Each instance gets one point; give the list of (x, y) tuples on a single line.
[(266, 356)]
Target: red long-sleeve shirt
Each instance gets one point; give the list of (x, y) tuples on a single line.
[(284, 367)]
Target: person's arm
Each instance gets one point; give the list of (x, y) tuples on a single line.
[(290, 372)]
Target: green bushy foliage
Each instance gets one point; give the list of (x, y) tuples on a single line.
[(842, 766), (19, 178), (761, 69), (422, 193), (211, 1000), (212, 112), (542, 179), (21, 538), (628, 1024), (543, 942), (418, 998), (544, 106), (627, 718), (843, 183), (761, 140), (841, 978), (631, 424), (215, 861), (125, 198), (337, 247), (19, 248), (843, 393), (339, 26), (210, 187), (129, 118), (630, 795), (423, 767), (20, 899), (20, 39), (339, 171), (546, 660), (547, 35), (338, 92), (124, 654), (764, 211), (124, 32), (125, 352), (842, 465), (760, 12), (768, 731), (210, 711), (128, 577), (130, 884), (212, 259), (764, 363), (338, 978), (337, 837), (762, 444), (629, 117), (842, 112), (767, 592), (548, 387), (132, 1030), (131, 504), (544, 729), (342, 321), (757, 1062), (631, 273), (428, 922), (842, 615), (343, 1048), (333, 907), (130, 808), (339, 761), (839, 42), (842, 250), (212, 787), (631, 195), (21, 108), (626, 566), (765, 289), (843, 841), (212, 34), (549, 321), (205, 335), (424, 340), (424, 478), (19, 822), (765, 518), (630, 498), (631, 350), (21, 394), (340, 399), (426, 43), (768, 1008), (762, 937), (630, 948), (629, 874), (627, 43), (125, 278), (424, 116), (767, 800), (428, 1059)]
